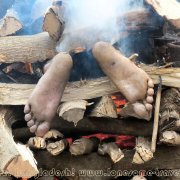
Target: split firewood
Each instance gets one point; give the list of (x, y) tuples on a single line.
[(105, 108), (170, 138), (52, 141), (112, 150), (57, 147), (73, 111), (9, 25), (55, 144), (16, 159), (168, 9), (156, 117), (37, 143), (84, 146), (32, 48), (170, 110), (54, 21), (143, 152), (138, 178), (53, 134), (18, 94)]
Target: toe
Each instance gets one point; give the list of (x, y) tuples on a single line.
[(150, 83), (27, 117), (42, 129), (27, 109), (33, 128), (149, 99), (148, 107), (30, 123), (150, 92)]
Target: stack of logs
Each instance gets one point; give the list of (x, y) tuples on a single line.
[(74, 132)]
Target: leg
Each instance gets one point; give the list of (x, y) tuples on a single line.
[(132, 81), (43, 102)]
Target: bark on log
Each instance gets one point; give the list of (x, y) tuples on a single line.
[(163, 159), (16, 159), (17, 94), (84, 146), (105, 108), (26, 49), (168, 9), (170, 110), (9, 25), (87, 126)]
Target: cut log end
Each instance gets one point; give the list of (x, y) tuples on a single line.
[(23, 165), (143, 151), (171, 138), (9, 25), (73, 111)]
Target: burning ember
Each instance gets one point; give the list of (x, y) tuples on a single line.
[(118, 101)]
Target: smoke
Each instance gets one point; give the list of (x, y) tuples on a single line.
[(93, 20)]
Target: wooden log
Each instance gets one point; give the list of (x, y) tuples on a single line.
[(57, 147), (26, 49), (171, 138), (16, 159), (163, 159), (84, 146), (9, 25), (55, 141), (53, 21), (143, 152), (18, 94), (112, 150), (167, 9), (72, 111), (170, 110), (104, 108), (87, 126), (139, 19)]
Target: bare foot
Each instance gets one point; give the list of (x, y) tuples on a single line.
[(132, 81), (44, 100)]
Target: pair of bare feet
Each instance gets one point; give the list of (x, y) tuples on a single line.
[(131, 81)]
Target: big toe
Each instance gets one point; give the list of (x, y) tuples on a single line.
[(42, 129), (141, 111)]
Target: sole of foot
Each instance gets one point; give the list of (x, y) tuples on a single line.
[(45, 99), (132, 81)]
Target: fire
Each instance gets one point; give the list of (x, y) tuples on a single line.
[(119, 101)]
